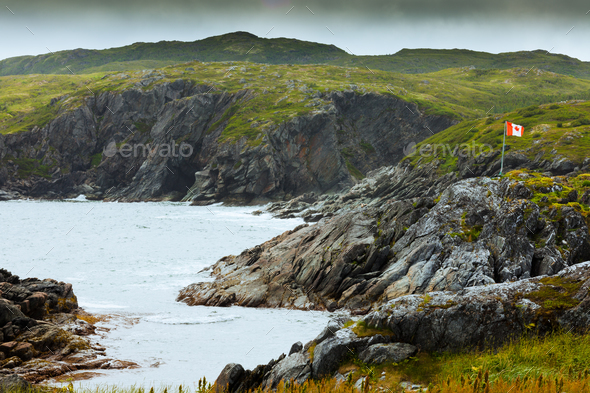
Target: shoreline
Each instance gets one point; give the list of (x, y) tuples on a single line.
[(44, 332)]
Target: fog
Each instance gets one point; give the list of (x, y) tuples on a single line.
[(365, 28)]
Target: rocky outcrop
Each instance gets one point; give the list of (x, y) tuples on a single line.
[(490, 315), (229, 378), (40, 335), (402, 181), (381, 353), (478, 232), (476, 317), (170, 142), (405, 181)]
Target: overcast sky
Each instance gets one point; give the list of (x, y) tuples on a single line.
[(367, 27)]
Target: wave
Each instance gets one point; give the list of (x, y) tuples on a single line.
[(102, 306), (183, 320), (79, 198)]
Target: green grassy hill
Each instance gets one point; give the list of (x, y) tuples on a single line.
[(241, 46), (284, 91), (238, 46), (551, 131), (413, 61)]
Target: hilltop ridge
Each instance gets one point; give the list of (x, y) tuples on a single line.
[(244, 46)]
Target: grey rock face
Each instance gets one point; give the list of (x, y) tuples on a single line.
[(484, 316), (480, 232), (381, 353), (329, 353), (166, 143), (294, 367)]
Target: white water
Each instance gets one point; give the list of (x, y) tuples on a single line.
[(131, 260)]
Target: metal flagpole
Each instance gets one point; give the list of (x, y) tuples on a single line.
[(503, 144)]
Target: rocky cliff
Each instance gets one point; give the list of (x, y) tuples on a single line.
[(141, 144)]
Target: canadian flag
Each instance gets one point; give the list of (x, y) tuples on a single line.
[(513, 129)]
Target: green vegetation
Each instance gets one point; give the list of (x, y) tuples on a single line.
[(361, 329), (542, 136), (27, 167), (367, 147), (470, 234), (25, 101), (311, 350), (143, 127), (558, 359), (242, 46), (239, 46), (557, 293), (552, 194), (96, 159), (281, 92), (353, 170)]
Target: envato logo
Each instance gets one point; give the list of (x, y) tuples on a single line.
[(127, 150), (463, 150)]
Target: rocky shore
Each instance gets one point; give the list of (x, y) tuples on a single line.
[(476, 317), (477, 232), (43, 333), (429, 263)]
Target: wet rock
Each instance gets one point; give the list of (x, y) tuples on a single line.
[(40, 337), (11, 362), (6, 195)]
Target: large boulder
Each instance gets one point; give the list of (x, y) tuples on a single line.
[(382, 353), (297, 347), (562, 166), (328, 354), (229, 378), (24, 351), (295, 368), (14, 383)]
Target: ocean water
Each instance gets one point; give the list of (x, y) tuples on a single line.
[(129, 261)]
